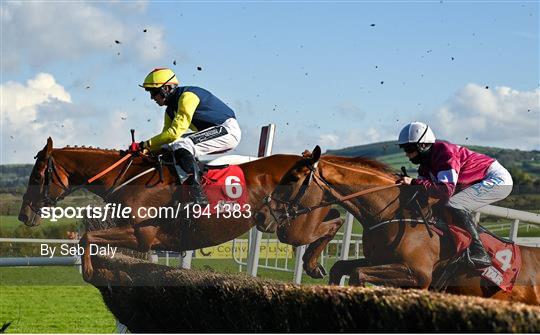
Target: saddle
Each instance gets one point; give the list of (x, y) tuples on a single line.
[(223, 183), (167, 158)]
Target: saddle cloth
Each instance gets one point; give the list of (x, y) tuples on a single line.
[(226, 189), (505, 256)]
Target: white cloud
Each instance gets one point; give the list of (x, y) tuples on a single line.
[(19, 102), (42, 107), (21, 121), (493, 117), (36, 33)]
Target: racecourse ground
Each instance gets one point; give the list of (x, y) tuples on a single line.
[(66, 304), (57, 300)]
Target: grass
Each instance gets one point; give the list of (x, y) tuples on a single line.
[(54, 309), (10, 223), (504, 229), (57, 300), (41, 275)]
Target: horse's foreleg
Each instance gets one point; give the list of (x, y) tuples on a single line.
[(345, 267), (398, 275), (87, 268), (313, 268), (123, 237)]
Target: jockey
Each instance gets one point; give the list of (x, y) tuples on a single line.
[(213, 122), (463, 179)]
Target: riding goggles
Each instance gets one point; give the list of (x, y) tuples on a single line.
[(154, 91), (409, 147)]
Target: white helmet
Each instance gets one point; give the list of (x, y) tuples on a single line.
[(416, 133)]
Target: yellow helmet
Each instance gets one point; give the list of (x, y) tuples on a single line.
[(160, 77)]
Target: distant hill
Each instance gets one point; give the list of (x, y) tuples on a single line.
[(14, 176), (390, 153)]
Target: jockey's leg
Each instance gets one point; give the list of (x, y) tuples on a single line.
[(477, 254), (496, 186), (189, 164), (211, 140)]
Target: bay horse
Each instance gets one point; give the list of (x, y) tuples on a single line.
[(57, 172), (398, 253)]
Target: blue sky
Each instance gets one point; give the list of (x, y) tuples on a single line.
[(335, 74)]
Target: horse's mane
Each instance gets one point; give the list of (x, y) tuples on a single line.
[(360, 160), (90, 148)]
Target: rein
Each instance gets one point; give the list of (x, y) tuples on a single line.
[(52, 170), (107, 170), (292, 212)]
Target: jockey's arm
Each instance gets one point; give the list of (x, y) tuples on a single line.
[(173, 129), (447, 171)]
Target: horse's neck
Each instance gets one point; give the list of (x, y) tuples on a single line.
[(264, 174), (82, 165), (369, 208)]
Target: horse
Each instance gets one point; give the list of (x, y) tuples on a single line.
[(398, 252), (58, 172)]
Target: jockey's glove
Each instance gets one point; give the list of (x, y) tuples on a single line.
[(137, 147)]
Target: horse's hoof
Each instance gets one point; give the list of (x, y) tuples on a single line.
[(357, 278), (322, 270), (336, 273), (318, 272)]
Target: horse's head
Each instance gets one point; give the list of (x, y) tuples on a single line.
[(295, 192), (45, 186)]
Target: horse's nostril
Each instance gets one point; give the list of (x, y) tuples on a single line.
[(23, 218)]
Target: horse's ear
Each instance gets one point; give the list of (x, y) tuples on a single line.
[(316, 155), (48, 147)]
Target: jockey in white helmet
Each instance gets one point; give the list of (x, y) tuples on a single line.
[(465, 180)]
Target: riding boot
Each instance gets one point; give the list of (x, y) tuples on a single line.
[(477, 254), (188, 163)]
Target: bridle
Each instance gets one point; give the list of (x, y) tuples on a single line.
[(290, 206), (51, 171), (45, 195), (293, 209)]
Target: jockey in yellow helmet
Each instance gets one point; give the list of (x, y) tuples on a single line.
[(188, 107)]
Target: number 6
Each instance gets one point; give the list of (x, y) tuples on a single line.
[(233, 188)]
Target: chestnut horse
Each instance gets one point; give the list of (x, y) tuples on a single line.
[(398, 253), (57, 172)]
